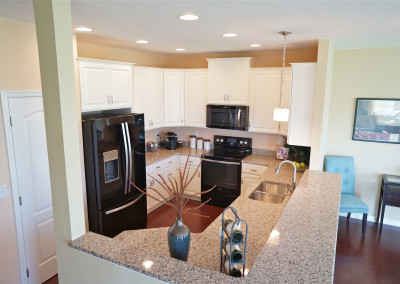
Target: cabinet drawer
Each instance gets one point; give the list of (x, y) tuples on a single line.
[(170, 162), (193, 161), (155, 167), (253, 169)]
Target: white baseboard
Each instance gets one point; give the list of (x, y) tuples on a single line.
[(370, 218)]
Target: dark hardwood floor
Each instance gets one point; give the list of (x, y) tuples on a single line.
[(371, 259), (374, 258), (165, 216)]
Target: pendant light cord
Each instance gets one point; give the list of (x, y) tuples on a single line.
[(283, 69)]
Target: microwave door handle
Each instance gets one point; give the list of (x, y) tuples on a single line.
[(126, 158), (239, 117), (128, 138)]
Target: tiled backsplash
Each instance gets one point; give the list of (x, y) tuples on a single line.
[(261, 141)]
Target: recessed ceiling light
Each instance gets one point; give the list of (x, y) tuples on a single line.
[(188, 17), (255, 45), (180, 49), (229, 35), (83, 29), (142, 41)]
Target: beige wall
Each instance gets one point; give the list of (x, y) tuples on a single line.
[(124, 55), (367, 73), (262, 58), (19, 71)]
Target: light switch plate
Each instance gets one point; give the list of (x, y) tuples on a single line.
[(3, 191)]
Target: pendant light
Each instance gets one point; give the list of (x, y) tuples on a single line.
[(282, 114)]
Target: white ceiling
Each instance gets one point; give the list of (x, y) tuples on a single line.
[(351, 24)]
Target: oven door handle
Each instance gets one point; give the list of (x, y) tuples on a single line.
[(222, 162)]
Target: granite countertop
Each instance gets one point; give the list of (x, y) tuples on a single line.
[(162, 153), (301, 250)]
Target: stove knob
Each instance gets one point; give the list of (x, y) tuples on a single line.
[(245, 142), (222, 140), (217, 140), (241, 142)]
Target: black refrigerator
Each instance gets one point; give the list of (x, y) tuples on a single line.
[(114, 150)]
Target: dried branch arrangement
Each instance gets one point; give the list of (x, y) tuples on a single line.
[(176, 190)]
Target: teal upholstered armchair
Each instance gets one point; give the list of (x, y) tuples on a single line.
[(348, 202)]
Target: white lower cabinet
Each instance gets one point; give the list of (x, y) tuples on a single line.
[(194, 187), (250, 173)]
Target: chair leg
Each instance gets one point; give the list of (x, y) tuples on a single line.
[(364, 223), (348, 215)]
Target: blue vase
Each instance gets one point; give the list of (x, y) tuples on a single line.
[(179, 240)]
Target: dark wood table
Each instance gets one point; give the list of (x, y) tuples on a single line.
[(390, 195)]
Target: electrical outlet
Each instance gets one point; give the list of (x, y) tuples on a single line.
[(3, 191), (196, 133), (281, 141), (157, 134)]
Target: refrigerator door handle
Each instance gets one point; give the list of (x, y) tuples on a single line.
[(126, 158), (130, 155), (124, 206)]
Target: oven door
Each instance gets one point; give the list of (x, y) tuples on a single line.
[(223, 174)]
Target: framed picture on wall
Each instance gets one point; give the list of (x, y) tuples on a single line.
[(377, 120)]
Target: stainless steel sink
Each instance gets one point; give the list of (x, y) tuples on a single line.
[(270, 192)]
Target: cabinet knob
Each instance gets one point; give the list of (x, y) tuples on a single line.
[(108, 99), (181, 118), (112, 99)]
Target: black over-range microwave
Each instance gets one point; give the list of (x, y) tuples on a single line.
[(228, 117)]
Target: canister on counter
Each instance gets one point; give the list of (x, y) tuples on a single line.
[(207, 144), (193, 141), (200, 143)]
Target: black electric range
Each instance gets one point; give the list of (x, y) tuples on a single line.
[(222, 168)]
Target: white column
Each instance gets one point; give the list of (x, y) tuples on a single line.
[(54, 34)]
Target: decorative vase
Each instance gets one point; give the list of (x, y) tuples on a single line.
[(179, 240)]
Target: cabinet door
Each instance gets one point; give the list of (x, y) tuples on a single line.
[(237, 83), (141, 100), (217, 88), (286, 98), (174, 98), (247, 180), (154, 86), (196, 87), (302, 104), (94, 86), (120, 86), (195, 185), (264, 97), (160, 190)]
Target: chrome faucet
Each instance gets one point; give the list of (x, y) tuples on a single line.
[(294, 171)]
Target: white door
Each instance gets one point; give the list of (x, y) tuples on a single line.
[(33, 181), (173, 98), (120, 86), (94, 86), (196, 88)]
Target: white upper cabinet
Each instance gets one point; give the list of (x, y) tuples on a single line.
[(105, 84), (287, 94), (148, 94), (174, 97), (264, 97), (302, 104), (228, 80), (196, 89)]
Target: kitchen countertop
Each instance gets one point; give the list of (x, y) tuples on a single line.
[(302, 251)]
